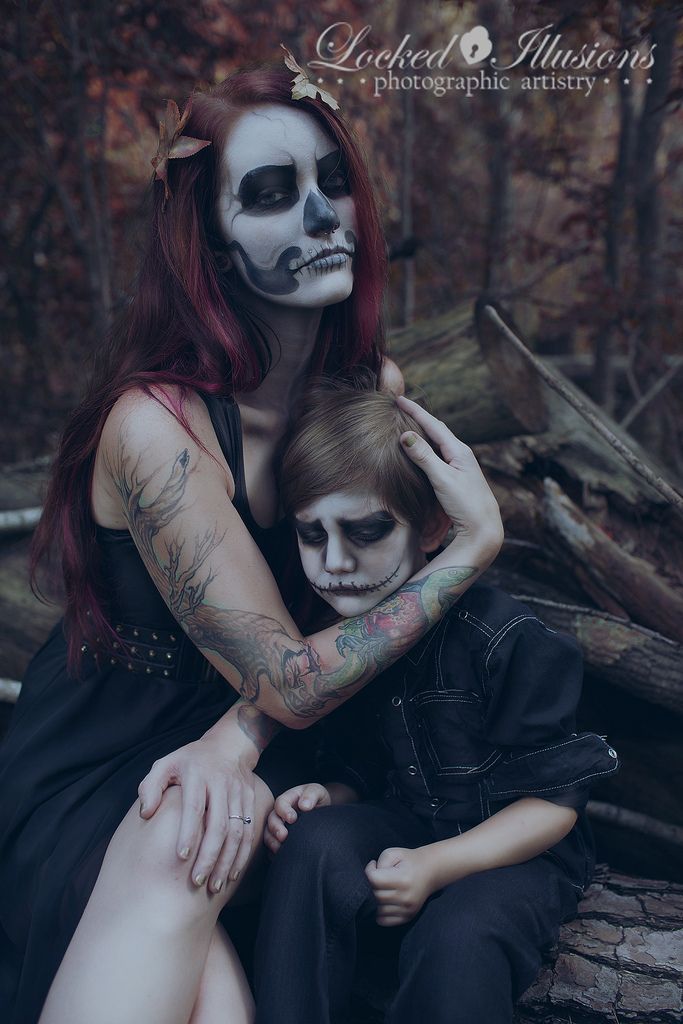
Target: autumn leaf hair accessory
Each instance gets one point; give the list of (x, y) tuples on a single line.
[(303, 86), (173, 145)]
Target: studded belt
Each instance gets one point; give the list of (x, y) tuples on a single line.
[(154, 652)]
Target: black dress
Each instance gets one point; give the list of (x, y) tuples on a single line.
[(77, 749)]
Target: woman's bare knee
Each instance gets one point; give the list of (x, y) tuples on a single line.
[(142, 861)]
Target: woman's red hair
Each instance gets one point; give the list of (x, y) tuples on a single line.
[(184, 326)]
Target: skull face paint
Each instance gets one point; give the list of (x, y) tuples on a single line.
[(285, 209), (354, 553)]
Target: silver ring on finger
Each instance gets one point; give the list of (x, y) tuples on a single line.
[(246, 820)]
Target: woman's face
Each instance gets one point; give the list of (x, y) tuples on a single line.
[(285, 209), (353, 552)]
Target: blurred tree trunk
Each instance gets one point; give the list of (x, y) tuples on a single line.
[(77, 173), (603, 377), (496, 16), (647, 203), (408, 101)]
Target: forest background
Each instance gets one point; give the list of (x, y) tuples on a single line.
[(566, 206)]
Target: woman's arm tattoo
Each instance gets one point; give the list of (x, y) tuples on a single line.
[(257, 647), (256, 724)]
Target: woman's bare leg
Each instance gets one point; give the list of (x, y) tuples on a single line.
[(140, 948), (224, 993)]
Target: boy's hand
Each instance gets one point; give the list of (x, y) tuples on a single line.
[(284, 812), (401, 883)]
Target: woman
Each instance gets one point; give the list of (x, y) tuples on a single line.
[(264, 264)]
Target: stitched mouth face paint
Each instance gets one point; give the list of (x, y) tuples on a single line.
[(285, 209), (353, 551)]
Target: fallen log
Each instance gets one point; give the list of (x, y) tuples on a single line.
[(609, 574), (26, 621), (23, 484), (9, 691), (636, 659), (620, 960), (20, 520), (576, 448), (644, 824), (596, 419), (482, 394)]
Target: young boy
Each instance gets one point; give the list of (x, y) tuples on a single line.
[(455, 784)]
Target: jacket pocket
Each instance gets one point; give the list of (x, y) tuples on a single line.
[(449, 723)]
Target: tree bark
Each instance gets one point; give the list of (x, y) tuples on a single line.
[(620, 960), (608, 572), (481, 394), (638, 660), (603, 377)]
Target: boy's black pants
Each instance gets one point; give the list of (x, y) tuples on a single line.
[(471, 952)]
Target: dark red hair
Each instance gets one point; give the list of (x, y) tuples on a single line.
[(185, 327)]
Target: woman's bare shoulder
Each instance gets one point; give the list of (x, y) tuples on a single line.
[(148, 424)]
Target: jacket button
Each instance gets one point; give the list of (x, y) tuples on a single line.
[(412, 770), (435, 802), (611, 751), (396, 701)]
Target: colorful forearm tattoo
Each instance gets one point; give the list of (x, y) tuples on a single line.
[(257, 647)]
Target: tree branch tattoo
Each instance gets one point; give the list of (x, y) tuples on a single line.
[(257, 647)]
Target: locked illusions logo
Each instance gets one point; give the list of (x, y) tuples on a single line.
[(541, 53)]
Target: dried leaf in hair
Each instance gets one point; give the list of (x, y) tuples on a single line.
[(172, 144), (303, 86)]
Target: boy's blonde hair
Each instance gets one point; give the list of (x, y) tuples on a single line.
[(346, 438)]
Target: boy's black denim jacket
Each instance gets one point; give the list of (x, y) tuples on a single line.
[(478, 714)]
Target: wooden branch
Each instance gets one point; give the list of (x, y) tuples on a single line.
[(636, 822), (25, 620), (9, 691), (20, 520), (23, 484), (631, 657), (630, 581), (650, 395), (570, 396)]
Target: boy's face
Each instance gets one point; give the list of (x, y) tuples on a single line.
[(353, 552)]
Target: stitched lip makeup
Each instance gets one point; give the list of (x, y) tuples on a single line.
[(353, 588), (325, 259)]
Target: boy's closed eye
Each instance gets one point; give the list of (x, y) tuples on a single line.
[(369, 530)]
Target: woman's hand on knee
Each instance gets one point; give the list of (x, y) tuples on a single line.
[(298, 799), (216, 830)]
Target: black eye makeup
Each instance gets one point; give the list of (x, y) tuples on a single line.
[(268, 188), (310, 534), (361, 532), (333, 175), (369, 530)]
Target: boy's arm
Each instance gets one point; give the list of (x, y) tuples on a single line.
[(403, 879)]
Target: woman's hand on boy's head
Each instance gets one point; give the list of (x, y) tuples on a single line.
[(457, 479), (298, 799)]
